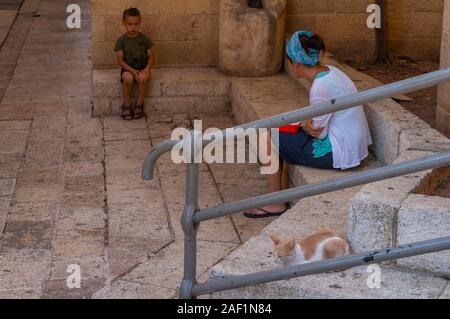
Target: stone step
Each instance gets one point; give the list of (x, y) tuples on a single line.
[(423, 218), (306, 217), (253, 99), (257, 98), (180, 90), (389, 213)]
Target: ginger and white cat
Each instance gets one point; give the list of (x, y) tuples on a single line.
[(324, 244)]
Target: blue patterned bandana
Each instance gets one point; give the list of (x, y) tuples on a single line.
[(296, 52)]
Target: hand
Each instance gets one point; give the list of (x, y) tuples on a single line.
[(314, 132), (136, 75), (148, 71)]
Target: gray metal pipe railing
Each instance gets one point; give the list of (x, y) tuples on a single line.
[(192, 216), (371, 95), (373, 175), (234, 282)]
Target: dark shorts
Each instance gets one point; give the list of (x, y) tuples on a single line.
[(297, 149)]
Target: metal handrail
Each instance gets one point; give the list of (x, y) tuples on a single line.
[(403, 251), (338, 104), (192, 215), (299, 192)]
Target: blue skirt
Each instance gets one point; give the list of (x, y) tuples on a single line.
[(297, 149)]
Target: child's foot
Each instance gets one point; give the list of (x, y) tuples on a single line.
[(139, 111), (127, 112), (267, 211)]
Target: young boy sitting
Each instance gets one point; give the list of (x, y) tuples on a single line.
[(135, 57)]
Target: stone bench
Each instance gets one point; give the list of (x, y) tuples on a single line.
[(171, 90)]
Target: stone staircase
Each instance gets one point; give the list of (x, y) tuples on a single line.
[(398, 136), (374, 216)]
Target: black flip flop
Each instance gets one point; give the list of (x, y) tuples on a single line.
[(266, 213)]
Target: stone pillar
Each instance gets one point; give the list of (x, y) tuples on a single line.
[(251, 40), (443, 108)]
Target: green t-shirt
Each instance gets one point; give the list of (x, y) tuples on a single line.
[(134, 50)]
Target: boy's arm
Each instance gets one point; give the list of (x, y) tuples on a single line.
[(124, 65), (150, 61)]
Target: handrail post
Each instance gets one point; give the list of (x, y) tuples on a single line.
[(190, 228)]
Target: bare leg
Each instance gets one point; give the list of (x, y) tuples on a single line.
[(273, 185), (143, 84), (128, 80)]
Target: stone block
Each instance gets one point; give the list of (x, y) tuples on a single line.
[(372, 219), (426, 139), (171, 105), (207, 87), (210, 7), (240, 52), (442, 119), (84, 247), (57, 289), (98, 29), (424, 218), (7, 186), (25, 234), (13, 142), (186, 27), (352, 6), (156, 7), (387, 119), (102, 106), (165, 269), (345, 27), (138, 220), (24, 269), (310, 7), (104, 7), (123, 289)]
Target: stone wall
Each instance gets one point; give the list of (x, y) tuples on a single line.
[(443, 109), (186, 32), (342, 24), (416, 27)]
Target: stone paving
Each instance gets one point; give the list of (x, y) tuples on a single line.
[(70, 185)]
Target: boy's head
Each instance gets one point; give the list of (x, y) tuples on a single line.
[(132, 20)]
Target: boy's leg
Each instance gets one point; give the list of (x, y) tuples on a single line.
[(143, 85), (128, 80), (143, 80), (127, 110)]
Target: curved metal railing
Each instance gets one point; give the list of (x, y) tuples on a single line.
[(192, 215)]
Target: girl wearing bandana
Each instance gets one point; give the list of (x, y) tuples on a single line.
[(338, 140)]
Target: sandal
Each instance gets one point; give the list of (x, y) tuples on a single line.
[(266, 213), (127, 112), (140, 111)]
